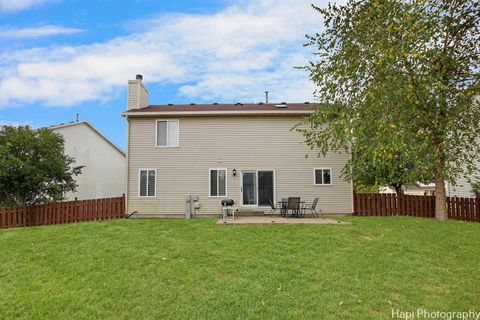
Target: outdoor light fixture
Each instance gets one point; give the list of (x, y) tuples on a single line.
[(234, 172)]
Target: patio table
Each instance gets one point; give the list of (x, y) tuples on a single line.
[(284, 211)]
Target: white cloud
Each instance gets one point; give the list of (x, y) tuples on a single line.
[(18, 5), (231, 55), (10, 122), (39, 32)]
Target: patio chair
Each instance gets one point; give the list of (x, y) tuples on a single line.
[(273, 207), (312, 208), (294, 205), (283, 207)]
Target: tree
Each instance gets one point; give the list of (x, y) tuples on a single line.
[(379, 160), (370, 169), (33, 166), (409, 69)]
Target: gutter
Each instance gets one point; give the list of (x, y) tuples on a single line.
[(217, 113)]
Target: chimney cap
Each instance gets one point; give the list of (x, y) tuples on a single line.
[(139, 77)]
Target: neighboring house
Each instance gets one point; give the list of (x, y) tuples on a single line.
[(462, 187), (245, 152), (103, 175), (417, 189)]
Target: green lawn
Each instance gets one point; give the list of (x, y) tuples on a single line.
[(157, 269)]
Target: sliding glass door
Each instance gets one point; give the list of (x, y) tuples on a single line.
[(258, 187), (249, 188), (265, 188)]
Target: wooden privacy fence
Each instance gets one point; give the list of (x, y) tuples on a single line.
[(466, 209), (63, 212), (391, 204)]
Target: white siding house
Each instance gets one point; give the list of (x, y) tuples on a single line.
[(462, 187), (103, 175)]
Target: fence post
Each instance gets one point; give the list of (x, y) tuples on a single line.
[(2, 218), (123, 207), (75, 210), (26, 219), (477, 209), (399, 204)]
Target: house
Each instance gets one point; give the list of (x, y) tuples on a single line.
[(462, 187), (244, 152), (103, 175), (414, 189)]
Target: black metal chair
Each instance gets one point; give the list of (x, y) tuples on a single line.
[(273, 207), (294, 206), (283, 207), (312, 208)]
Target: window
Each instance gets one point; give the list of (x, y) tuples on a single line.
[(147, 183), (323, 176), (167, 133), (218, 182)]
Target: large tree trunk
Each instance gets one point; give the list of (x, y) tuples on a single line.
[(440, 198)]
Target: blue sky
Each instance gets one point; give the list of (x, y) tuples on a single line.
[(59, 58)]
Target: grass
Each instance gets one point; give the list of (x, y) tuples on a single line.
[(178, 269)]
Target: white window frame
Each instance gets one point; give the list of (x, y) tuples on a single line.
[(154, 185), (210, 182), (156, 132), (322, 184)]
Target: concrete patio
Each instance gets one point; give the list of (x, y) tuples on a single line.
[(279, 220)]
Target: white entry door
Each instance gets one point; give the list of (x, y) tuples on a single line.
[(258, 187)]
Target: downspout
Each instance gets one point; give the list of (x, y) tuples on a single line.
[(127, 165)]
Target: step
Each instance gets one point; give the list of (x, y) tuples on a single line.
[(242, 212)]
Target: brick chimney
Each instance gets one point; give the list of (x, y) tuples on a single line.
[(137, 93)]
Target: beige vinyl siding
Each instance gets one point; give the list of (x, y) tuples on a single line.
[(137, 95), (241, 143), (143, 102), (133, 94)]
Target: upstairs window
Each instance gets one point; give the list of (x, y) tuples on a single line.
[(218, 182), (147, 183), (167, 133), (323, 176)]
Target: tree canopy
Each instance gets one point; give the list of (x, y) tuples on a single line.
[(33, 166), (398, 83)]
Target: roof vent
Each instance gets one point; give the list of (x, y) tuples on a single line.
[(139, 77), (281, 105), (260, 103), (215, 103), (192, 104), (170, 104), (307, 102), (239, 104)]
